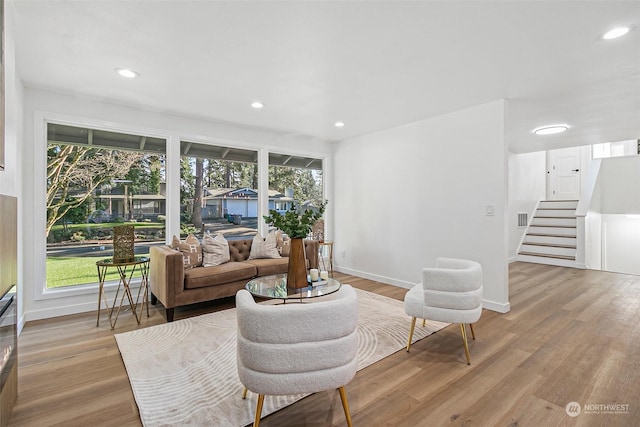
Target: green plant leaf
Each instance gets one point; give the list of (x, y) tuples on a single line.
[(294, 224)]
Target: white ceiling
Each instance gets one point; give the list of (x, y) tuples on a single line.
[(373, 65)]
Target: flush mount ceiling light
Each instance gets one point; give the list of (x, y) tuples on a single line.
[(615, 33), (550, 130), (257, 105), (124, 72), (338, 124)]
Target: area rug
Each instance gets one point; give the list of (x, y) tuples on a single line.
[(184, 373)]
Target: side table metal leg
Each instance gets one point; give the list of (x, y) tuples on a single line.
[(127, 288), (101, 276)]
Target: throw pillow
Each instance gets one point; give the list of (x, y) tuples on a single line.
[(286, 247), (264, 248), (191, 251), (283, 243), (215, 250)]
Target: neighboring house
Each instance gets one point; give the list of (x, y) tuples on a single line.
[(219, 202), (134, 206)]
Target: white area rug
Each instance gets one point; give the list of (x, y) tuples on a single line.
[(184, 373)]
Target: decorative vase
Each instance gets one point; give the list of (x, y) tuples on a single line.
[(297, 269)]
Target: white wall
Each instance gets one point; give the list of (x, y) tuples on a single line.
[(621, 243), (527, 186), (10, 178), (619, 225), (593, 228), (406, 195), (621, 177), (40, 105)]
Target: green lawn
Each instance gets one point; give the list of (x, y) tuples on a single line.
[(68, 271)]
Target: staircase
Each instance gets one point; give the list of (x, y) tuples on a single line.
[(551, 235)]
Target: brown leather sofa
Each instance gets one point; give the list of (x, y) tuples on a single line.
[(174, 287)]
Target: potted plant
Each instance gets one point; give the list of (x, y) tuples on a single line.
[(297, 225)]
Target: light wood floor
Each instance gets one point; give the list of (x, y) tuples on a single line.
[(571, 335)]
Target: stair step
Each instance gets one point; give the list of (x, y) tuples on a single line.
[(567, 257), (548, 250), (543, 239), (554, 221), (551, 235), (548, 261), (555, 213), (551, 245), (558, 204), (553, 231)]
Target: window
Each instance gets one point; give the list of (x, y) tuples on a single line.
[(616, 149), (218, 190), (96, 179), (294, 181)]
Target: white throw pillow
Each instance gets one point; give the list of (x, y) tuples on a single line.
[(264, 248), (215, 250)]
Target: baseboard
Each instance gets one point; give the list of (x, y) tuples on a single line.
[(489, 305), (375, 277), (496, 306), (82, 307), (512, 259), (21, 321), (48, 313)]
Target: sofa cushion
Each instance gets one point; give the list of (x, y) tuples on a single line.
[(267, 267), (191, 251), (264, 248), (215, 250), (224, 273), (239, 250)]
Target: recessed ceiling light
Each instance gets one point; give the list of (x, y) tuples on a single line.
[(257, 105), (615, 33), (550, 130), (338, 124), (124, 72)]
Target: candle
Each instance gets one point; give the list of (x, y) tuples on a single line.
[(324, 274), (314, 274)]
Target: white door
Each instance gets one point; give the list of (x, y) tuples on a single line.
[(563, 174)]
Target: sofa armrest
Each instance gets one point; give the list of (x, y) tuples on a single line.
[(166, 274), (311, 249)]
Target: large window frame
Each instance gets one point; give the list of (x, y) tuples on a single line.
[(101, 196), (39, 244), (37, 253)]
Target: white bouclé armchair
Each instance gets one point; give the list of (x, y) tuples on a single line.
[(450, 292), (297, 348)]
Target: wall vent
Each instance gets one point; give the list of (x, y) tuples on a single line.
[(523, 219)]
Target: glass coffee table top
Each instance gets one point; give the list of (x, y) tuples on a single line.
[(275, 286)]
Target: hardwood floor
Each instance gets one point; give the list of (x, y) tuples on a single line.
[(571, 335)]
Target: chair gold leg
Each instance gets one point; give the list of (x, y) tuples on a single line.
[(466, 344), (256, 422), (244, 393), (413, 326), (345, 405), (424, 322), (473, 333)]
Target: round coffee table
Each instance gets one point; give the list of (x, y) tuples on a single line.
[(275, 287)]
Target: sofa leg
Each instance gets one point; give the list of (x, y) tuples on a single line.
[(154, 299), (169, 314)]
